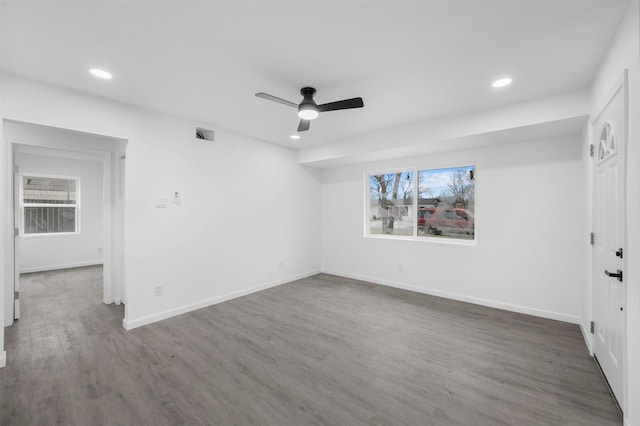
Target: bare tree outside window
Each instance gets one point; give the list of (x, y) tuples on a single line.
[(451, 213), (391, 203), (435, 203)]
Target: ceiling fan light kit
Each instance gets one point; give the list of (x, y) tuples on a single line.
[(308, 109), (308, 112)]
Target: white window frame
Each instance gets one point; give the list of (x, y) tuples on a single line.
[(23, 205), (415, 237)]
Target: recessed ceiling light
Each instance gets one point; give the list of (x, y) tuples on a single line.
[(501, 82), (295, 137), (101, 73)]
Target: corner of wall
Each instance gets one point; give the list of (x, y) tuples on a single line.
[(3, 359)]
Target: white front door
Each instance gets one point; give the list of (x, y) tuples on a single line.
[(609, 139)]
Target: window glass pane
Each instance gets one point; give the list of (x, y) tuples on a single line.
[(39, 220), (446, 203), (45, 190), (391, 210)]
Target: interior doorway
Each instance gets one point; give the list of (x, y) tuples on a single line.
[(68, 192)]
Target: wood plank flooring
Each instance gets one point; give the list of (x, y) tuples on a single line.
[(319, 351)]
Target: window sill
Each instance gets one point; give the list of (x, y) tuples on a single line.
[(432, 240), (49, 234)]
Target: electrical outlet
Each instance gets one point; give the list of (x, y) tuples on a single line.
[(281, 264), (400, 267), (157, 290)]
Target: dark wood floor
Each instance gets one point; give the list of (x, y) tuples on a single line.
[(322, 350)]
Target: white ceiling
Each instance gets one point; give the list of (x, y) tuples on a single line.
[(409, 60)]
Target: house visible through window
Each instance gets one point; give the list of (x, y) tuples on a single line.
[(49, 204), (446, 203), (423, 204)]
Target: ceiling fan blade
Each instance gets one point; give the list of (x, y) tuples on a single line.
[(344, 104), (304, 125), (276, 99)]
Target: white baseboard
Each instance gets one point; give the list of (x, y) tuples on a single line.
[(462, 298), (56, 267), (131, 324), (3, 359)]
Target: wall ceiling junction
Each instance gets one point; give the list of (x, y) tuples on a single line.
[(418, 65)]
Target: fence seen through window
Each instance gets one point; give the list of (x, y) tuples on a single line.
[(50, 204)]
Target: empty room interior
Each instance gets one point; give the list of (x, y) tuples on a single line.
[(341, 213)]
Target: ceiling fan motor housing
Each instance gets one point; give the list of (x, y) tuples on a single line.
[(308, 104)]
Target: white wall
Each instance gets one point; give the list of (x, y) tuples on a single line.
[(529, 229), (245, 205), (46, 252), (625, 54)]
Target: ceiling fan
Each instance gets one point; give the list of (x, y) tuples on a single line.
[(308, 109)]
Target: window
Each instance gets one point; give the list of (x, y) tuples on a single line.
[(391, 203), (448, 198), (49, 204), (442, 209)]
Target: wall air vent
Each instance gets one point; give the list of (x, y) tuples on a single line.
[(204, 134)]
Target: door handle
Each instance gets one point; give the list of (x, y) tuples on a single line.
[(617, 275)]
